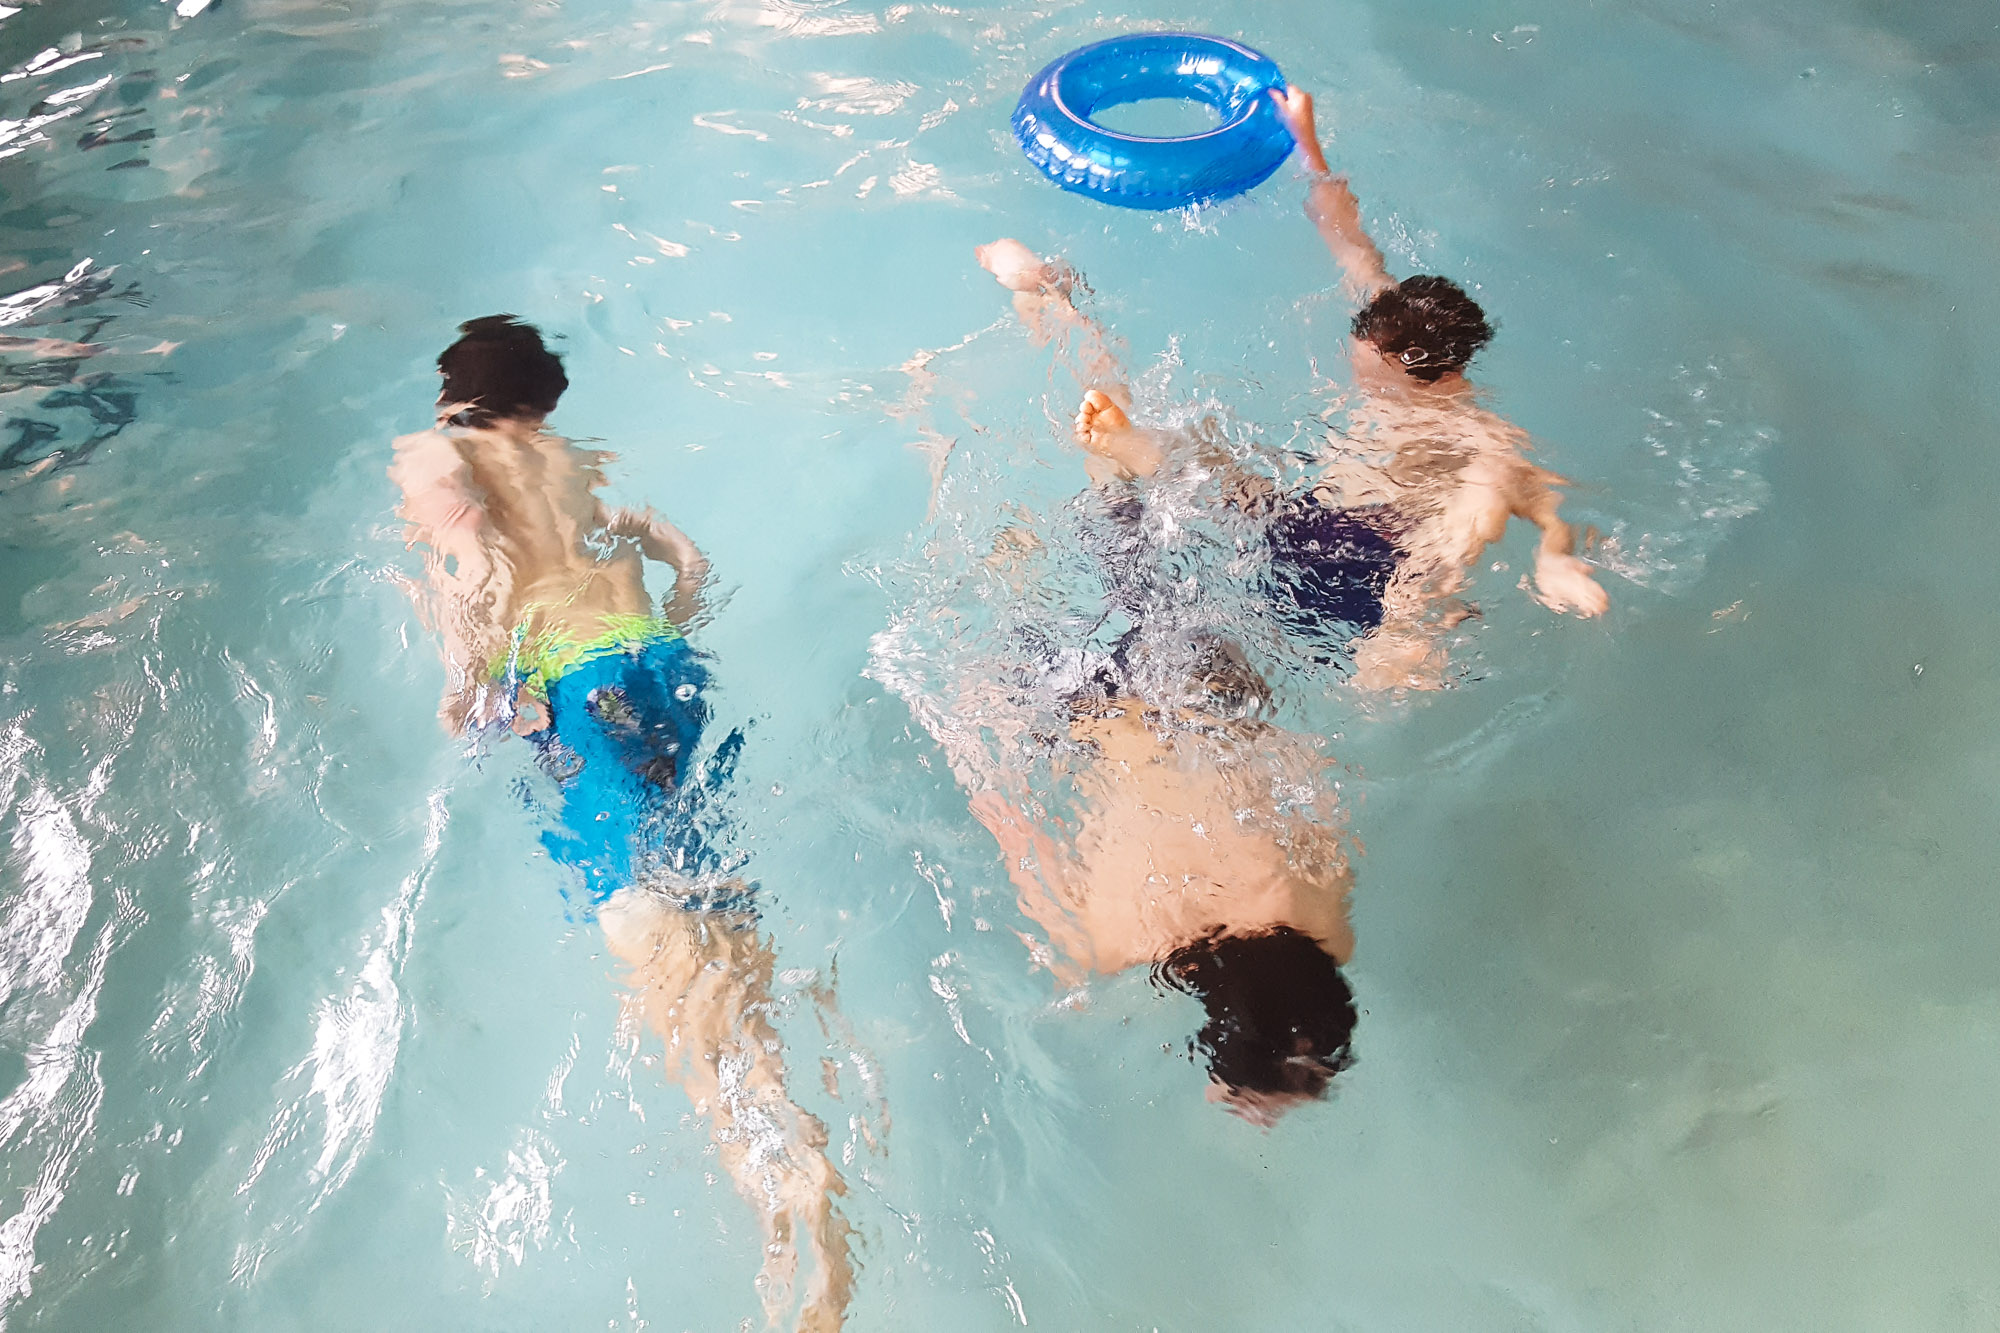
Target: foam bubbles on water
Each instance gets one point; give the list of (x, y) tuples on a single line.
[(511, 1211), (1664, 521)]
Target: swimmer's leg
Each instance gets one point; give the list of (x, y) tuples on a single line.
[(1044, 292), (1406, 650), (1043, 297), (702, 982), (1108, 435)]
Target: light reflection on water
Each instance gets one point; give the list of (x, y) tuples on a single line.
[(1674, 937), (48, 1117)]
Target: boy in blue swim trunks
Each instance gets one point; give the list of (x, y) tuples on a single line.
[(1422, 480), (537, 591)]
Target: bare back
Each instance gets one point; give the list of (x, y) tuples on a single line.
[(1451, 472), (1181, 832), (516, 540)]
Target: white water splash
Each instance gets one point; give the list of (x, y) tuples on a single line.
[(46, 1123)]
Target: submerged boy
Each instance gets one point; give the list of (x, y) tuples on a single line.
[(1200, 843), (537, 591), (1183, 860)]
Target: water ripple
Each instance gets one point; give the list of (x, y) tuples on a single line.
[(356, 1039)]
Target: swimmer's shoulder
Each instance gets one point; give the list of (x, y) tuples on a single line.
[(421, 440), (425, 456), (558, 454)]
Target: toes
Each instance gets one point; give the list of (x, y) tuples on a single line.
[(1099, 411), (1088, 412)]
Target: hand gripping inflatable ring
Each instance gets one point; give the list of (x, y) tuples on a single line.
[(1053, 120)]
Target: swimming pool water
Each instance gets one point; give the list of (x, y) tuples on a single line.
[(1676, 929)]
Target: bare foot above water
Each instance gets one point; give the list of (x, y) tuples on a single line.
[(1107, 433)]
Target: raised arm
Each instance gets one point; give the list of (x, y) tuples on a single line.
[(662, 541), (1330, 203)]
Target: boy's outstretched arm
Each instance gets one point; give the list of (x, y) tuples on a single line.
[(1330, 203), (443, 511)]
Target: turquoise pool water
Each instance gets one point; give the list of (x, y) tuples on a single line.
[(1676, 929)]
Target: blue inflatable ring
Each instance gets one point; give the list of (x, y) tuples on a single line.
[(1053, 121)]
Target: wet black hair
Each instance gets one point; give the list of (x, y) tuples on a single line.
[(1280, 1016), (1427, 323), (1201, 671), (500, 370)]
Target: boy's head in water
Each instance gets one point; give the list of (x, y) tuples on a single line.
[(498, 370), (1427, 325), (1280, 1016)]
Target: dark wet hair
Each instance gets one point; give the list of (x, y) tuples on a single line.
[(1427, 323), (1226, 684), (1201, 671), (1280, 1015), (501, 369)]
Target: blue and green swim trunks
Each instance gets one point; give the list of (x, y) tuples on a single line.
[(626, 712)]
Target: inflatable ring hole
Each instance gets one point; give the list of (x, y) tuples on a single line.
[(1115, 75), (1158, 118)]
